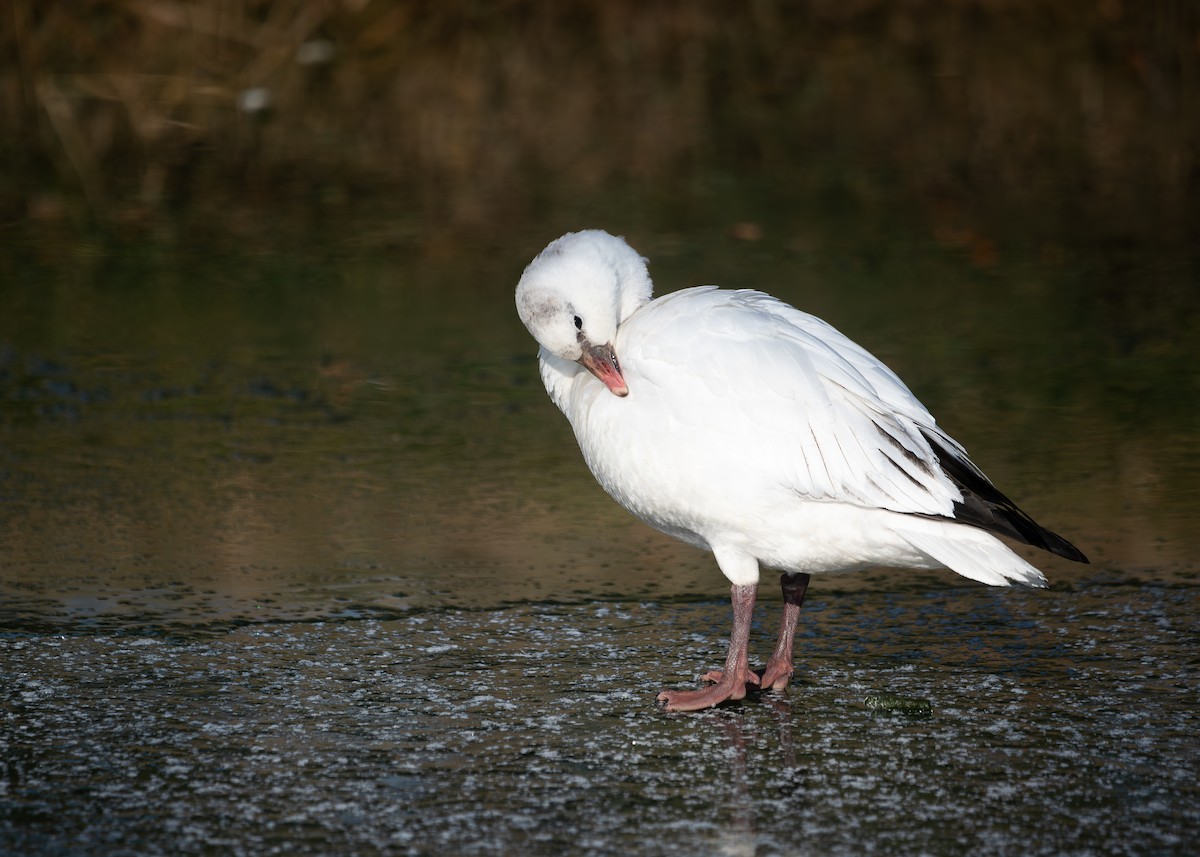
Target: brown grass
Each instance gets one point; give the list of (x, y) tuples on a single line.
[(467, 111)]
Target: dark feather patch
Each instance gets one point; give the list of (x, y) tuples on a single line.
[(912, 458), (985, 507)]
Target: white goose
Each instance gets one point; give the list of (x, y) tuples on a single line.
[(743, 426)]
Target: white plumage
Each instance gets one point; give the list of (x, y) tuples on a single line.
[(741, 425)]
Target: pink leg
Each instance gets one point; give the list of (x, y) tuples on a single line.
[(731, 684), (779, 668)]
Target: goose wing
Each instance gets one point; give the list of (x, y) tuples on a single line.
[(793, 398)]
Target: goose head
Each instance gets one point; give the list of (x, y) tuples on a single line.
[(576, 293)]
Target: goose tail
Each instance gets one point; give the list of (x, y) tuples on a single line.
[(971, 552)]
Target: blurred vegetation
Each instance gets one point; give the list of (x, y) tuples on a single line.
[(454, 115)]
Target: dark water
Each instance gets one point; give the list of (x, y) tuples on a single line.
[(296, 557)]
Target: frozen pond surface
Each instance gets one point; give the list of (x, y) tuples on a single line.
[(1060, 723)]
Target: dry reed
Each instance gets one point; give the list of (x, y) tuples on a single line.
[(467, 111)]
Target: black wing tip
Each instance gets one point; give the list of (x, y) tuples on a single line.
[(1056, 544), (985, 507), (1033, 533), (1005, 518)]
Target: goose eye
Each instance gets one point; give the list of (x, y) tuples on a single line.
[(578, 323)]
